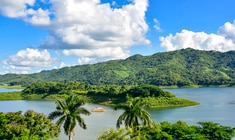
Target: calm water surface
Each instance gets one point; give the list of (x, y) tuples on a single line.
[(8, 90), (216, 104)]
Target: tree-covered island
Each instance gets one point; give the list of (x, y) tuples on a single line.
[(110, 95)]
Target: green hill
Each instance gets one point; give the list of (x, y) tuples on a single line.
[(176, 68)]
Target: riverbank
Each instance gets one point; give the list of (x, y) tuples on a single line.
[(11, 87)]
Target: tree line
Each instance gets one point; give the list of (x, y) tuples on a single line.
[(111, 91)]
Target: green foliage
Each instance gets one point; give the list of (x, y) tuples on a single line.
[(148, 91), (134, 114), (55, 88), (11, 96), (173, 131), (180, 68), (153, 95), (168, 102), (115, 134), (216, 131), (31, 125), (68, 112)]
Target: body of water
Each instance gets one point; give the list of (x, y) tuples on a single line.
[(216, 104), (9, 90)]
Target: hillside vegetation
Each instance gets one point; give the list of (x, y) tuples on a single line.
[(176, 68)]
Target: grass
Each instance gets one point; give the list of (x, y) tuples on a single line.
[(20, 96), (160, 102), (11, 87), (11, 96)]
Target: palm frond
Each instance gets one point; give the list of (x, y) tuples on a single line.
[(55, 114), (83, 111), (67, 125), (81, 122), (60, 121)]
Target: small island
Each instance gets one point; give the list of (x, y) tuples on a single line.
[(110, 95)]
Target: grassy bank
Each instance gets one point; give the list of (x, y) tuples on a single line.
[(11, 96), (168, 102), (11, 87)]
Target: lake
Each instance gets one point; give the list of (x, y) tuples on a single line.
[(8, 90), (216, 104)]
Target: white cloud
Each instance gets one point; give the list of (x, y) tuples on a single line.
[(26, 60), (85, 60), (228, 30), (93, 27), (61, 65), (19, 9), (157, 25), (223, 41), (100, 54), (38, 17), (16, 69), (15, 8), (89, 29)]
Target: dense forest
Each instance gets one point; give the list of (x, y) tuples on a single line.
[(180, 68)]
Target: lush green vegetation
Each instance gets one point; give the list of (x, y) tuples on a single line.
[(105, 94), (28, 126), (11, 96), (172, 131), (179, 68), (134, 114), (69, 113)]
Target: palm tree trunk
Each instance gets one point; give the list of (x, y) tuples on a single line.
[(70, 136)]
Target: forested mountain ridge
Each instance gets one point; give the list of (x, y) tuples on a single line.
[(176, 68)]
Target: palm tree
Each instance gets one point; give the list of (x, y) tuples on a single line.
[(134, 114), (68, 113)]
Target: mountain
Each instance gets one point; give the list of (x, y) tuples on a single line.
[(181, 68)]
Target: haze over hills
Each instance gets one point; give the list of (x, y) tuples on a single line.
[(176, 68)]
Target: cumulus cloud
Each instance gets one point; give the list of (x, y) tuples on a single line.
[(89, 29), (38, 17), (228, 31), (20, 9), (26, 60), (90, 26), (224, 40), (100, 54)]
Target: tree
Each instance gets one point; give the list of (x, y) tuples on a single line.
[(30, 125), (134, 114), (115, 134), (215, 131), (68, 111)]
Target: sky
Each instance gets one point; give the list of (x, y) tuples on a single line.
[(38, 35)]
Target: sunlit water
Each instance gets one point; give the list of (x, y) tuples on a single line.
[(216, 104), (8, 90)]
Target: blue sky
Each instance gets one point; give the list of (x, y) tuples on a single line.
[(40, 35)]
